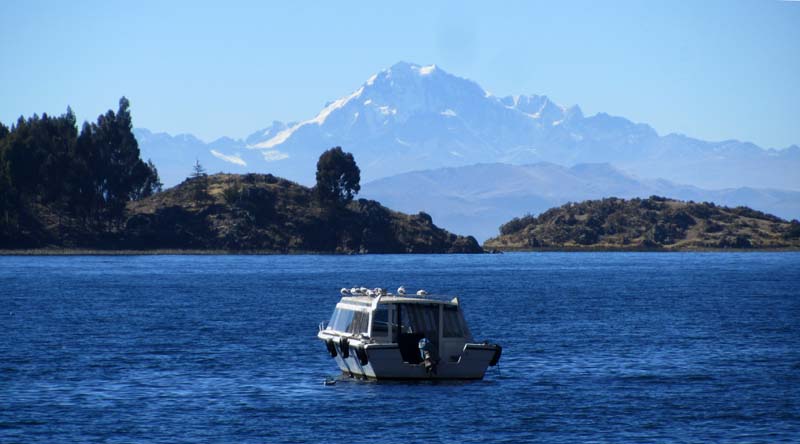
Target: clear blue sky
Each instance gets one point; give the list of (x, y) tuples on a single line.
[(713, 70)]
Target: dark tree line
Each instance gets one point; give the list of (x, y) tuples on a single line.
[(89, 175)]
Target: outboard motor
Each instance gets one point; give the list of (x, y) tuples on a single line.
[(361, 353), (496, 358), (426, 352), (344, 347), (331, 347)]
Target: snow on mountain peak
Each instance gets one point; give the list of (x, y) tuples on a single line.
[(426, 70), (537, 107), (235, 159), (274, 155), (319, 120), (385, 76), (401, 67), (407, 91)]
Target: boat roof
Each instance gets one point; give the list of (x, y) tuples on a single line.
[(364, 300)]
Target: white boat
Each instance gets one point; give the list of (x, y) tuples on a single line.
[(378, 335)]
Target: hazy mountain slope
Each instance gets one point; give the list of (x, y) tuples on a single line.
[(410, 117), (476, 199), (174, 156)]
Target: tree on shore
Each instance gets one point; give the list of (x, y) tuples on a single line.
[(199, 180), (152, 183), (6, 202), (338, 177)]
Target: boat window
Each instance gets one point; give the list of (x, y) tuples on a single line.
[(341, 319), (420, 318), (453, 322), (360, 323), (349, 321), (334, 318), (380, 322)]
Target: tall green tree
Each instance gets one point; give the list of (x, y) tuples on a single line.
[(6, 190), (84, 182), (199, 181), (338, 177), (152, 182), (23, 156), (57, 136), (121, 175)]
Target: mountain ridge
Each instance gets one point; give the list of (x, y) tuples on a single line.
[(409, 117)]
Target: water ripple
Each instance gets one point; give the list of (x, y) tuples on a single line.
[(597, 348)]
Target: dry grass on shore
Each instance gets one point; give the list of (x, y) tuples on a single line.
[(164, 252)]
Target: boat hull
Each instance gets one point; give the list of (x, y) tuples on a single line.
[(384, 362)]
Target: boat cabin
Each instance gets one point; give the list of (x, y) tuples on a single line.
[(404, 320), (404, 336)]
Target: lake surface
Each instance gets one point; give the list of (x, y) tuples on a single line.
[(599, 347)]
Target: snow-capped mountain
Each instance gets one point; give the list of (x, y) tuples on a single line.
[(477, 199), (410, 117)]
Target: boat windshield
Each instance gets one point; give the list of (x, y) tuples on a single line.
[(349, 321)]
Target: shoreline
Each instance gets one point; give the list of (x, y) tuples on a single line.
[(182, 252), (645, 250), (164, 252)]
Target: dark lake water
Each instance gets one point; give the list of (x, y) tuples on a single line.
[(597, 348)]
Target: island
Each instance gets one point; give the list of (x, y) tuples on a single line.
[(261, 212), (250, 213), (87, 191), (655, 223)]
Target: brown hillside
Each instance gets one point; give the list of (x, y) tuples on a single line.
[(267, 213), (653, 223)]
